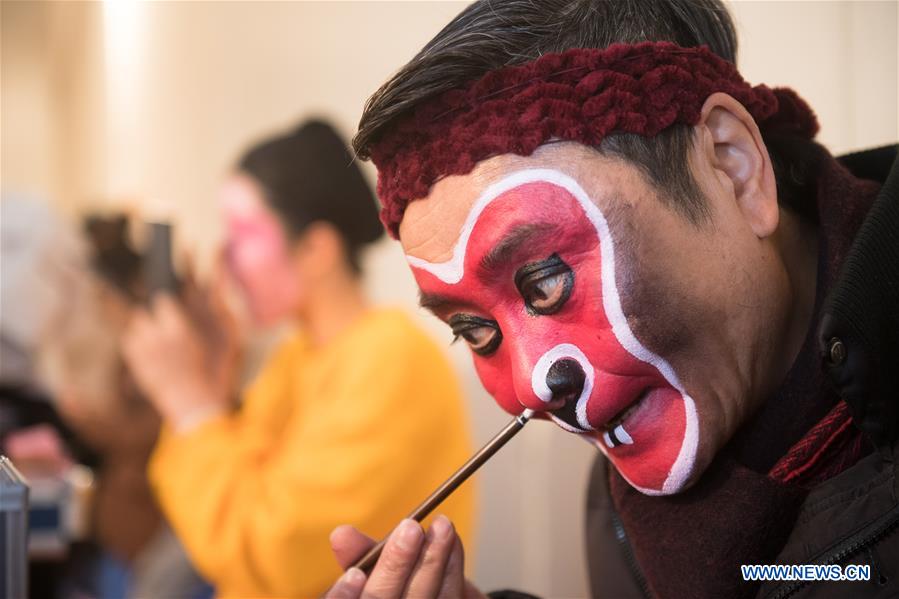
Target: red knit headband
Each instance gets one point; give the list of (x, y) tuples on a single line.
[(579, 95)]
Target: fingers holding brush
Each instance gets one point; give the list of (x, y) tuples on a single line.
[(429, 576), (413, 563), (349, 545), (349, 586), (394, 569)]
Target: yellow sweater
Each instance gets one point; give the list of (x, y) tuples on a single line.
[(357, 432)]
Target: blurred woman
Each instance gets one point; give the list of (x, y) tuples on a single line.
[(355, 418)]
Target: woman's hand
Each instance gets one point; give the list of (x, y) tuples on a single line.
[(184, 354), (413, 563), (170, 362), (216, 322)]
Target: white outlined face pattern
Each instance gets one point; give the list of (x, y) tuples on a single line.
[(546, 321)]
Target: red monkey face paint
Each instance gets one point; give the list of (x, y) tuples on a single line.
[(555, 331), (586, 298), (584, 295)]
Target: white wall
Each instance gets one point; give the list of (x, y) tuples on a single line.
[(147, 104), (840, 56)]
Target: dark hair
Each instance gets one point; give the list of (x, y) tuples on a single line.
[(491, 34), (309, 175)]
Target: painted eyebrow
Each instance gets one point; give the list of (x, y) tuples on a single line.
[(509, 244), (433, 301)]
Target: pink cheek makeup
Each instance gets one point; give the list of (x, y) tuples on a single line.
[(257, 255), (625, 399)]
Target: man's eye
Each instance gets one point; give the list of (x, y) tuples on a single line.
[(545, 286), (481, 334)]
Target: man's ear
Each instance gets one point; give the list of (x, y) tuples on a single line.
[(730, 140)]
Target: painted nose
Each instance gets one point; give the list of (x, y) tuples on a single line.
[(565, 379)]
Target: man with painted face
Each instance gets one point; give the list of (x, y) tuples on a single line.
[(637, 243)]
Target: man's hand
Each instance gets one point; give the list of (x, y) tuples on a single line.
[(413, 564)]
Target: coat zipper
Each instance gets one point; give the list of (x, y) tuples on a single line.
[(625, 545), (848, 548)]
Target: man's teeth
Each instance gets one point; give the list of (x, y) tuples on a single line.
[(623, 436), (617, 436)]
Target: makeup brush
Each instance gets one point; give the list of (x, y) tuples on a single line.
[(452, 483)]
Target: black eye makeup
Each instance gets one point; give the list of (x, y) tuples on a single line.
[(546, 285), (482, 335)]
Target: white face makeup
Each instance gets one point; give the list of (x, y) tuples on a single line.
[(626, 399)]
